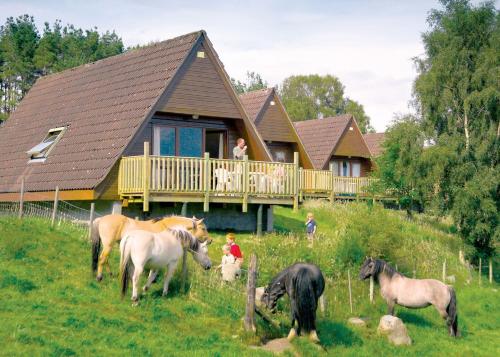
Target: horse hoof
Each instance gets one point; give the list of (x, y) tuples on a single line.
[(164, 294), (313, 336), (291, 335), (99, 278)]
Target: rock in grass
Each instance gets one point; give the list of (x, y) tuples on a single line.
[(356, 321), (395, 330), (278, 345), (258, 295)]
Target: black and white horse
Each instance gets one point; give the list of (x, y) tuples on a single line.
[(304, 284)]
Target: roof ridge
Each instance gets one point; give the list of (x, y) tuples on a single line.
[(123, 54)]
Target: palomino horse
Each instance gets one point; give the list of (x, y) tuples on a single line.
[(112, 228), (396, 288), (304, 284), (142, 249)]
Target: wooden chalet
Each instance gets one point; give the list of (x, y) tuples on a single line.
[(275, 126), (156, 126), (374, 142)]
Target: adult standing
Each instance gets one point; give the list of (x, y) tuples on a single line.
[(240, 149)]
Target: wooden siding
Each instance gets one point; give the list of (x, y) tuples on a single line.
[(201, 90), (273, 125), (352, 144), (109, 187)]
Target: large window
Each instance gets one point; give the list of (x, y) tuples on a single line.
[(177, 141), (346, 168)]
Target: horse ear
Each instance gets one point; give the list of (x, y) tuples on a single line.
[(194, 217), (199, 221)]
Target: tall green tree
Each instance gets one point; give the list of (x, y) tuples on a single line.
[(314, 96), (253, 81), (457, 92), (25, 55)]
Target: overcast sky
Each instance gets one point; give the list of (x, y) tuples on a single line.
[(367, 44)]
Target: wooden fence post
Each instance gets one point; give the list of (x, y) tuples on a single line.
[(56, 203), (184, 209), (21, 199), (296, 181), (371, 289), (490, 272), (249, 321), (206, 181), (146, 172), (350, 290), (91, 218), (184, 271), (322, 304), (480, 270), (444, 271)]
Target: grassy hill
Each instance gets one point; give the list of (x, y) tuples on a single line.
[(51, 305)]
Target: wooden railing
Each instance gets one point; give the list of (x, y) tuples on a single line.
[(142, 178)]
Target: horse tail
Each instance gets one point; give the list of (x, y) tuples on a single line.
[(96, 243), (305, 300), (125, 265), (451, 309)]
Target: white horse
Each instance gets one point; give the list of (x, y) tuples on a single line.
[(153, 251), (396, 288)]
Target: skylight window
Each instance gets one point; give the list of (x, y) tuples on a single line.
[(39, 152)]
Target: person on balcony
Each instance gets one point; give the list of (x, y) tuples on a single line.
[(240, 149)]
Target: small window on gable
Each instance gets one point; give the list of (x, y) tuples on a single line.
[(39, 152)]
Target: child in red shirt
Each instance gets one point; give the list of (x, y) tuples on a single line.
[(234, 249)]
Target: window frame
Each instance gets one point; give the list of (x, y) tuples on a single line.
[(46, 151)]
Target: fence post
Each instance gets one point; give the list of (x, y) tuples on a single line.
[(490, 273), (480, 270), (145, 177), (56, 203), (91, 218), (371, 289), (350, 290), (21, 199), (184, 209), (322, 304), (296, 181), (206, 181), (245, 184), (249, 321), (332, 193), (444, 271)]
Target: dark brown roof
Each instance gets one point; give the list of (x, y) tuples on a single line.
[(374, 142), (320, 136), (254, 101), (102, 104)]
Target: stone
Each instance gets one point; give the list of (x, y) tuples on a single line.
[(356, 321), (395, 330), (278, 345), (258, 295)]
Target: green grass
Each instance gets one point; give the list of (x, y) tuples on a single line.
[(51, 305)]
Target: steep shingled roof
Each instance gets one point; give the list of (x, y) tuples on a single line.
[(254, 101), (102, 104), (321, 136), (374, 142)]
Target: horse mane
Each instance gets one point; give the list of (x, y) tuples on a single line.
[(381, 266), (186, 238), (157, 219)]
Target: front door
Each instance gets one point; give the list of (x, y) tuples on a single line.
[(215, 143)]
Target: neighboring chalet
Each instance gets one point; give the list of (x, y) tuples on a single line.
[(336, 144), (374, 142), (265, 108)]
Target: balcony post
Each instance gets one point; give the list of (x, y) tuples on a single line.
[(206, 181), (296, 181), (332, 193), (145, 177), (245, 184)]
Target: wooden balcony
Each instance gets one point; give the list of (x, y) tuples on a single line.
[(184, 179)]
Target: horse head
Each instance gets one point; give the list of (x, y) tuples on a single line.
[(368, 268), (199, 230), (199, 250), (272, 293)]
